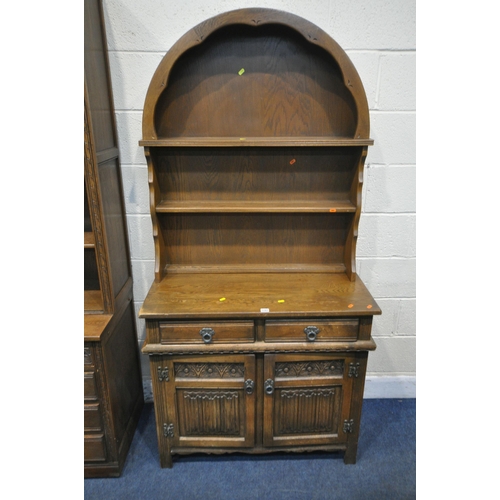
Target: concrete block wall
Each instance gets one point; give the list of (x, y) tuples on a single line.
[(379, 37)]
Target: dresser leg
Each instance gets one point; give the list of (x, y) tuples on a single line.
[(164, 445), (350, 454), (166, 459)]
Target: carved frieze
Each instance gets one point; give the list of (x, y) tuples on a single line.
[(209, 370), (210, 395), (306, 393), (310, 369)]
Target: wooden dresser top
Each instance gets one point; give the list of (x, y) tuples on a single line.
[(258, 295)]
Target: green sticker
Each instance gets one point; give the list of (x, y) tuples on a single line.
[(241, 71)]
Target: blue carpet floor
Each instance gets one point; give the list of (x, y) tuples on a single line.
[(385, 468)]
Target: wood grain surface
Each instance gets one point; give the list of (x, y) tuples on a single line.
[(245, 295)]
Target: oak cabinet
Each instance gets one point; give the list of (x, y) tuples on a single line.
[(255, 130), (113, 394), (254, 401)]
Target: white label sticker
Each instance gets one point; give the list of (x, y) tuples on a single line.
[(264, 309)]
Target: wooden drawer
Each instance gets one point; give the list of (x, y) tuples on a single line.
[(94, 448), (92, 418), (207, 333), (312, 330), (89, 386)]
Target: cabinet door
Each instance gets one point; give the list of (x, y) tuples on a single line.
[(211, 400), (306, 399)]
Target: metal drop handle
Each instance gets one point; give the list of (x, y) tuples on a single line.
[(311, 332), (269, 386), (207, 334), (249, 386)]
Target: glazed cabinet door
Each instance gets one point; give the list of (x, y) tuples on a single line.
[(210, 400), (306, 399)]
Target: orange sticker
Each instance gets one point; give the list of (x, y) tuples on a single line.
[(333, 209), (350, 306), (369, 306), (292, 161)]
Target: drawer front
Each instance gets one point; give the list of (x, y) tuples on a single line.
[(92, 418), (89, 386), (207, 333), (312, 330), (94, 448)]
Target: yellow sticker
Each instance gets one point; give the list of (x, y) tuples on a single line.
[(242, 138), (241, 71), (222, 299), (281, 301)]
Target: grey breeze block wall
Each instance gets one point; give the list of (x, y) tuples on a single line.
[(380, 38)]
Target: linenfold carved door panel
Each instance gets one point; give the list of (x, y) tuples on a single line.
[(214, 400), (306, 399)]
